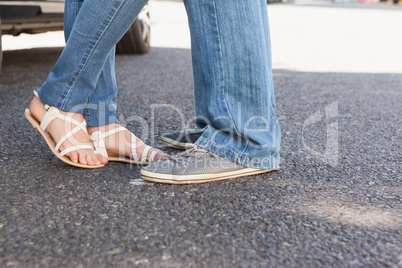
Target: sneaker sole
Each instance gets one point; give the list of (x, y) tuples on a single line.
[(199, 178), (173, 144)]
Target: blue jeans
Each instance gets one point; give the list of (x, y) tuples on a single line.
[(104, 98), (233, 86), (83, 79)]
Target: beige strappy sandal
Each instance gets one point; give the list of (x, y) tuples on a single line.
[(98, 137), (51, 114)]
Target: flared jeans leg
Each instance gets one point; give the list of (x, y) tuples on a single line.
[(83, 79), (233, 86), (102, 104)]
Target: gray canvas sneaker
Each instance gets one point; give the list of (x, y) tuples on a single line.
[(195, 165), (179, 139)]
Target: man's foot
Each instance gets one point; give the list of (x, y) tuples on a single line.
[(119, 147), (58, 128), (195, 165), (179, 139)]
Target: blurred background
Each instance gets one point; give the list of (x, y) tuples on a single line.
[(350, 35)]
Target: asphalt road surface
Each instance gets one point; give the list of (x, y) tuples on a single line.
[(335, 202)]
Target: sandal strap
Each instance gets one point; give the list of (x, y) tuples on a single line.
[(134, 147), (70, 134), (53, 113), (50, 115), (98, 137), (152, 156), (74, 148), (114, 131), (82, 124), (145, 153)]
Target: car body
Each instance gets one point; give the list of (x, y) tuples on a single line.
[(31, 16), (38, 16)]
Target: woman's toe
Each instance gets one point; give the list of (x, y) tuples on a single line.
[(160, 156), (90, 161), (74, 157), (103, 160), (96, 159), (82, 159)]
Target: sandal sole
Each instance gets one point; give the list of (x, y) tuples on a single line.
[(126, 160)]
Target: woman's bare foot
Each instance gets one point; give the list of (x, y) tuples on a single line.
[(119, 144), (58, 129)]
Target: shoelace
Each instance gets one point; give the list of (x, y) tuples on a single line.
[(191, 151)]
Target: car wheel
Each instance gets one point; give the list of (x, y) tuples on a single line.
[(137, 38), (1, 48)]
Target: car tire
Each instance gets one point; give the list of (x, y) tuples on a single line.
[(137, 38), (1, 48)]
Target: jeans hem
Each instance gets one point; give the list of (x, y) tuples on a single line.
[(91, 124), (269, 163)]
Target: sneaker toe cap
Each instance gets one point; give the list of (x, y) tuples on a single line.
[(162, 166)]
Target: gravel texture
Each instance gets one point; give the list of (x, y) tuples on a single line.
[(310, 213)]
